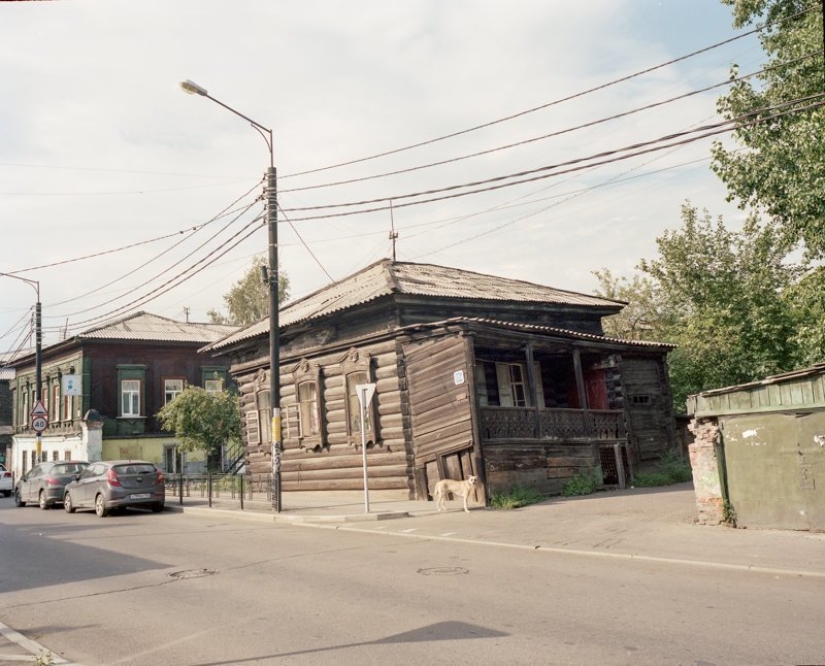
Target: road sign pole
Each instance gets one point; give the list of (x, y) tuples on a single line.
[(363, 402), (365, 393)]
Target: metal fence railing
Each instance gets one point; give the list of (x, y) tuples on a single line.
[(235, 488)]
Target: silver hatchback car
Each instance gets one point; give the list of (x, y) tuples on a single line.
[(116, 484), (45, 484)]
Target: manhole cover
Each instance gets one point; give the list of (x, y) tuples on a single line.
[(192, 573), (443, 571)]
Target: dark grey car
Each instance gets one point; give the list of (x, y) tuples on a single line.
[(116, 484), (45, 483)]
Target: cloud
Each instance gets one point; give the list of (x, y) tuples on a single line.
[(105, 151)]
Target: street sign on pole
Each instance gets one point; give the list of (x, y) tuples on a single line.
[(365, 393), (40, 418)]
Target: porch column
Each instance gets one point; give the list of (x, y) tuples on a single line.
[(580, 387), (531, 387), (588, 425)]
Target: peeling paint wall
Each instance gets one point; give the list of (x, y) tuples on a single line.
[(776, 469)]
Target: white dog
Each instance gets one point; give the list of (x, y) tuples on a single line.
[(460, 488)]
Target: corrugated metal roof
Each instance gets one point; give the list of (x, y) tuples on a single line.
[(550, 330), (387, 277), (816, 369), (145, 327)]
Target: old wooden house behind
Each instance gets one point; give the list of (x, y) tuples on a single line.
[(474, 374)]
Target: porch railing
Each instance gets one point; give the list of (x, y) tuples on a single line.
[(562, 424)]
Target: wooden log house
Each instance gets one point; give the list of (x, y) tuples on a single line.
[(475, 374)]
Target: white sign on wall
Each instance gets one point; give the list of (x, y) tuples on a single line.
[(71, 385)]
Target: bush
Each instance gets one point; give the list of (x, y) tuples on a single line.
[(516, 497), (672, 468), (581, 484)]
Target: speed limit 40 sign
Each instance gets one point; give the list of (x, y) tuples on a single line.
[(40, 417)]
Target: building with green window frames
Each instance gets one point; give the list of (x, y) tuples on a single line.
[(103, 387)]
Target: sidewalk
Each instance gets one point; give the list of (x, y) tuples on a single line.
[(644, 524)]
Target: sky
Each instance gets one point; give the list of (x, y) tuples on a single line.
[(121, 193)]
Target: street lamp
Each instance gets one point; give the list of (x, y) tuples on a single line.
[(271, 197), (38, 347)]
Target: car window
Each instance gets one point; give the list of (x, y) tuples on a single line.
[(92, 470), (135, 469), (69, 468)]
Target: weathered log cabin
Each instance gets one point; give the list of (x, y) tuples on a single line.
[(474, 374)]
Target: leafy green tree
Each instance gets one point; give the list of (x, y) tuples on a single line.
[(782, 169), (807, 298), (203, 421), (735, 324), (722, 298), (248, 299), (645, 317)]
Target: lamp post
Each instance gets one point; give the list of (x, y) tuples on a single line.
[(38, 347), (271, 196)]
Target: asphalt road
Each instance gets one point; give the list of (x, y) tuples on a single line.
[(145, 589)]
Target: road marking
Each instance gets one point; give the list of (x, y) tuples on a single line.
[(27, 644)]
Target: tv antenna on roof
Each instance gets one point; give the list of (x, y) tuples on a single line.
[(393, 232)]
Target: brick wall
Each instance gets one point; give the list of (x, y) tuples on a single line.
[(706, 479)]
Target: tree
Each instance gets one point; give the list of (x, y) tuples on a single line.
[(203, 421), (248, 299), (722, 298), (645, 316), (782, 169)]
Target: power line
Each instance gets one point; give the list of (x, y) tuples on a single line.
[(177, 280), (616, 116), (543, 106), (303, 242), (225, 212), (152, 260), (494, 183)]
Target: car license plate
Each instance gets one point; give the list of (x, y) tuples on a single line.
[(140, 496)]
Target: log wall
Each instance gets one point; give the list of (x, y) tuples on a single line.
[(338, 464)]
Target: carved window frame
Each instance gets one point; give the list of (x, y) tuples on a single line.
[(258, 424), (355, 367), (308, 382)]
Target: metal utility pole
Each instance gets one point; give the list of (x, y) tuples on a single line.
[(38, 348), (271, 197)]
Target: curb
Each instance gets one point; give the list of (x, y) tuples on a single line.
[(288, 519)]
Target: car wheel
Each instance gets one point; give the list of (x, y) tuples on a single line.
[(41, 500), (18, 501), (100, 507), (67, 503), (157, 508)]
